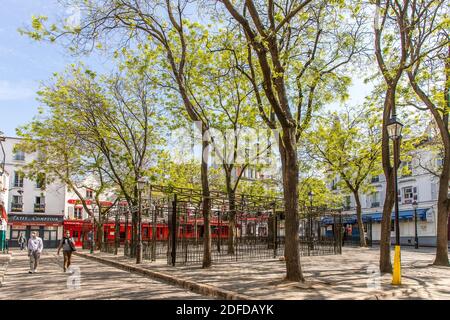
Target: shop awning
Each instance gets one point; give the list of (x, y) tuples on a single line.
[(376, 217), (403, 214)]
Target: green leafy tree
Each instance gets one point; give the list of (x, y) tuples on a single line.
[(113, 116), (294, 71), (63, 158), (348, 145)]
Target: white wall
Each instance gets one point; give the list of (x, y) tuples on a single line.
[(54, 193)]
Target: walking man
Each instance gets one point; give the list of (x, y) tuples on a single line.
[(22, 241), (68, 245), (35, 247)]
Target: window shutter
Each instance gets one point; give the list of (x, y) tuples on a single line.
[(70, 212), (433, 191)]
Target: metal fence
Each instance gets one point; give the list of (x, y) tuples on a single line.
[(173, 228)]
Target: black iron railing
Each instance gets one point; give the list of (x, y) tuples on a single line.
[(16, 207), (39, 207)]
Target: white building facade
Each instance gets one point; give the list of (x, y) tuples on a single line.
[(32, 205), (417, 184)]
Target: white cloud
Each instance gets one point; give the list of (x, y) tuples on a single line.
[(14, 91)]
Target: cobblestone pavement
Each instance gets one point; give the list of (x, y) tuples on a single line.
[(4, 260), (352, 275), (97, 281)]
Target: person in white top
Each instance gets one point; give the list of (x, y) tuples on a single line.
[(35, 247)]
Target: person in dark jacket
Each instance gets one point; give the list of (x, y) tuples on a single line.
[(68, 245), (22, 241)]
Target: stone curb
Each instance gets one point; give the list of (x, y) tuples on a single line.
[(4, 268), (196, 287)]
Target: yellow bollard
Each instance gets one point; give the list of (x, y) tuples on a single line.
[(397, 274)]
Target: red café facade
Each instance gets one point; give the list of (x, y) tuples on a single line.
[(191, 227)]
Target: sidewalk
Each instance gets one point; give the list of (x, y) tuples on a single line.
[(351, 275), (4, 262), (89, 280)]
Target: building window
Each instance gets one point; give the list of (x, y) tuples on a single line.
[(39, 204), (407, 169), (334, 183), (17, 204), (375, 179), (434, 191), (375, 199), (19, 155), (89, 194), (409, 194), (78, 213), (347, 203), (40, 181), (18, 179)]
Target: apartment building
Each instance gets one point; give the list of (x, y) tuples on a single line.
[(31, 204), (417, 185)]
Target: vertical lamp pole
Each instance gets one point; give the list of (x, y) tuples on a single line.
[(310, 195), (416, 237), (140, 186), (394, 129)]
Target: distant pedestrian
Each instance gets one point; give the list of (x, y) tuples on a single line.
[(22, 241), (35, 247), (68, 245)]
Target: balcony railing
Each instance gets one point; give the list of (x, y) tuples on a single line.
[(39, 207), (375, 204), (16, 207)]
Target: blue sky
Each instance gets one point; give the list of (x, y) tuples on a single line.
[(24, 63)]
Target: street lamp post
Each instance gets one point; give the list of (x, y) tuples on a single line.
[(416, 237), (310, 195), (394, 129), (140, 186)]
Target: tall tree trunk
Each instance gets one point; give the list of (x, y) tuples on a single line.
[(288, 152), (442, 122), (99, 231), (362, 235), (385, 238), (206, 207), (442, 215)]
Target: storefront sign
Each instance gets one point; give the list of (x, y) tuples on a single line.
[(90, 202), (34, 219)]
